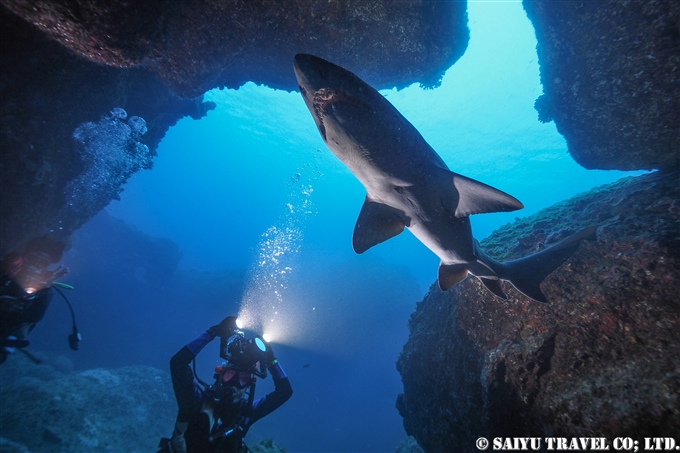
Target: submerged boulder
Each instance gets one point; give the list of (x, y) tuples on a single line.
[(611, 79), (116, 410), (44, 410), (601, 358), (266, 446)]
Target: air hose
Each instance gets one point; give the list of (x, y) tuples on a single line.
[(75, 336)]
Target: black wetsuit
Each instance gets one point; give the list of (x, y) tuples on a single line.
[(192, 402), (19, 313)]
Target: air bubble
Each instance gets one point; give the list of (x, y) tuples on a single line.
[(111, 152), (118, 113)]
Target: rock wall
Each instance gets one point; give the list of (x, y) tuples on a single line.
[(47, 95), (602, 358), (611, 79), (197, 45)]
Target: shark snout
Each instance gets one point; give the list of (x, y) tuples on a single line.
[(306, 63), (313, 73), (303, 59), (303, 69)]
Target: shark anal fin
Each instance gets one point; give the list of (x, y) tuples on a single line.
[(494, 285), (377, 223), (475, 197), (450, 274)]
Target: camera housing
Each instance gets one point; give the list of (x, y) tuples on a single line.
[(243, 353)]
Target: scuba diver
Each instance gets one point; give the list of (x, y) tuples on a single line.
[(26, 290), (215, 418)]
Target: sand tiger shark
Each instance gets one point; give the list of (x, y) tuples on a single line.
[(408, 185)]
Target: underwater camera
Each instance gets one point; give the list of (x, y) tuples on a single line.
[(243, 353)]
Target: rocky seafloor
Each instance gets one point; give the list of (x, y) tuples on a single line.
[(601, 358), (48, 408), (45, 410)]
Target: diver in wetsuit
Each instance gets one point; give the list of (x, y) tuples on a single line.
[(26, 291), (216, 418)]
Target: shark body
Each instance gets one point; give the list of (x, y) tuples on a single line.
[(408, 185)]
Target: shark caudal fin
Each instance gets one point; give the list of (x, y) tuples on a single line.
[(526, 274), (494, 285)]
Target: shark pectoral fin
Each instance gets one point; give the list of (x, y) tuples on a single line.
[(475, 197), (377, 223), (494, 285), (450, 274)]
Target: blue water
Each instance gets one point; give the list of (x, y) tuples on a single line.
[(263, 214)]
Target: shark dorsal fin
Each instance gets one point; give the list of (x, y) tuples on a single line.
[(475, 197), (377, 223)]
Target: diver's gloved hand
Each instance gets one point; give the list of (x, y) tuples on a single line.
[(268, 356), (224, 329), (273, 365)]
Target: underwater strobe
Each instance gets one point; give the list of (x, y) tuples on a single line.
[(244, 353)]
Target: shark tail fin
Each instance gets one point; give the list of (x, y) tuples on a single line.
[(526, 274)]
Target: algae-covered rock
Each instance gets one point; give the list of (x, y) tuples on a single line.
[(43, 410), (609, 71), (600, 359), (7, 446), (266, 446), (197, 45), (54, 179), (409, 445)]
